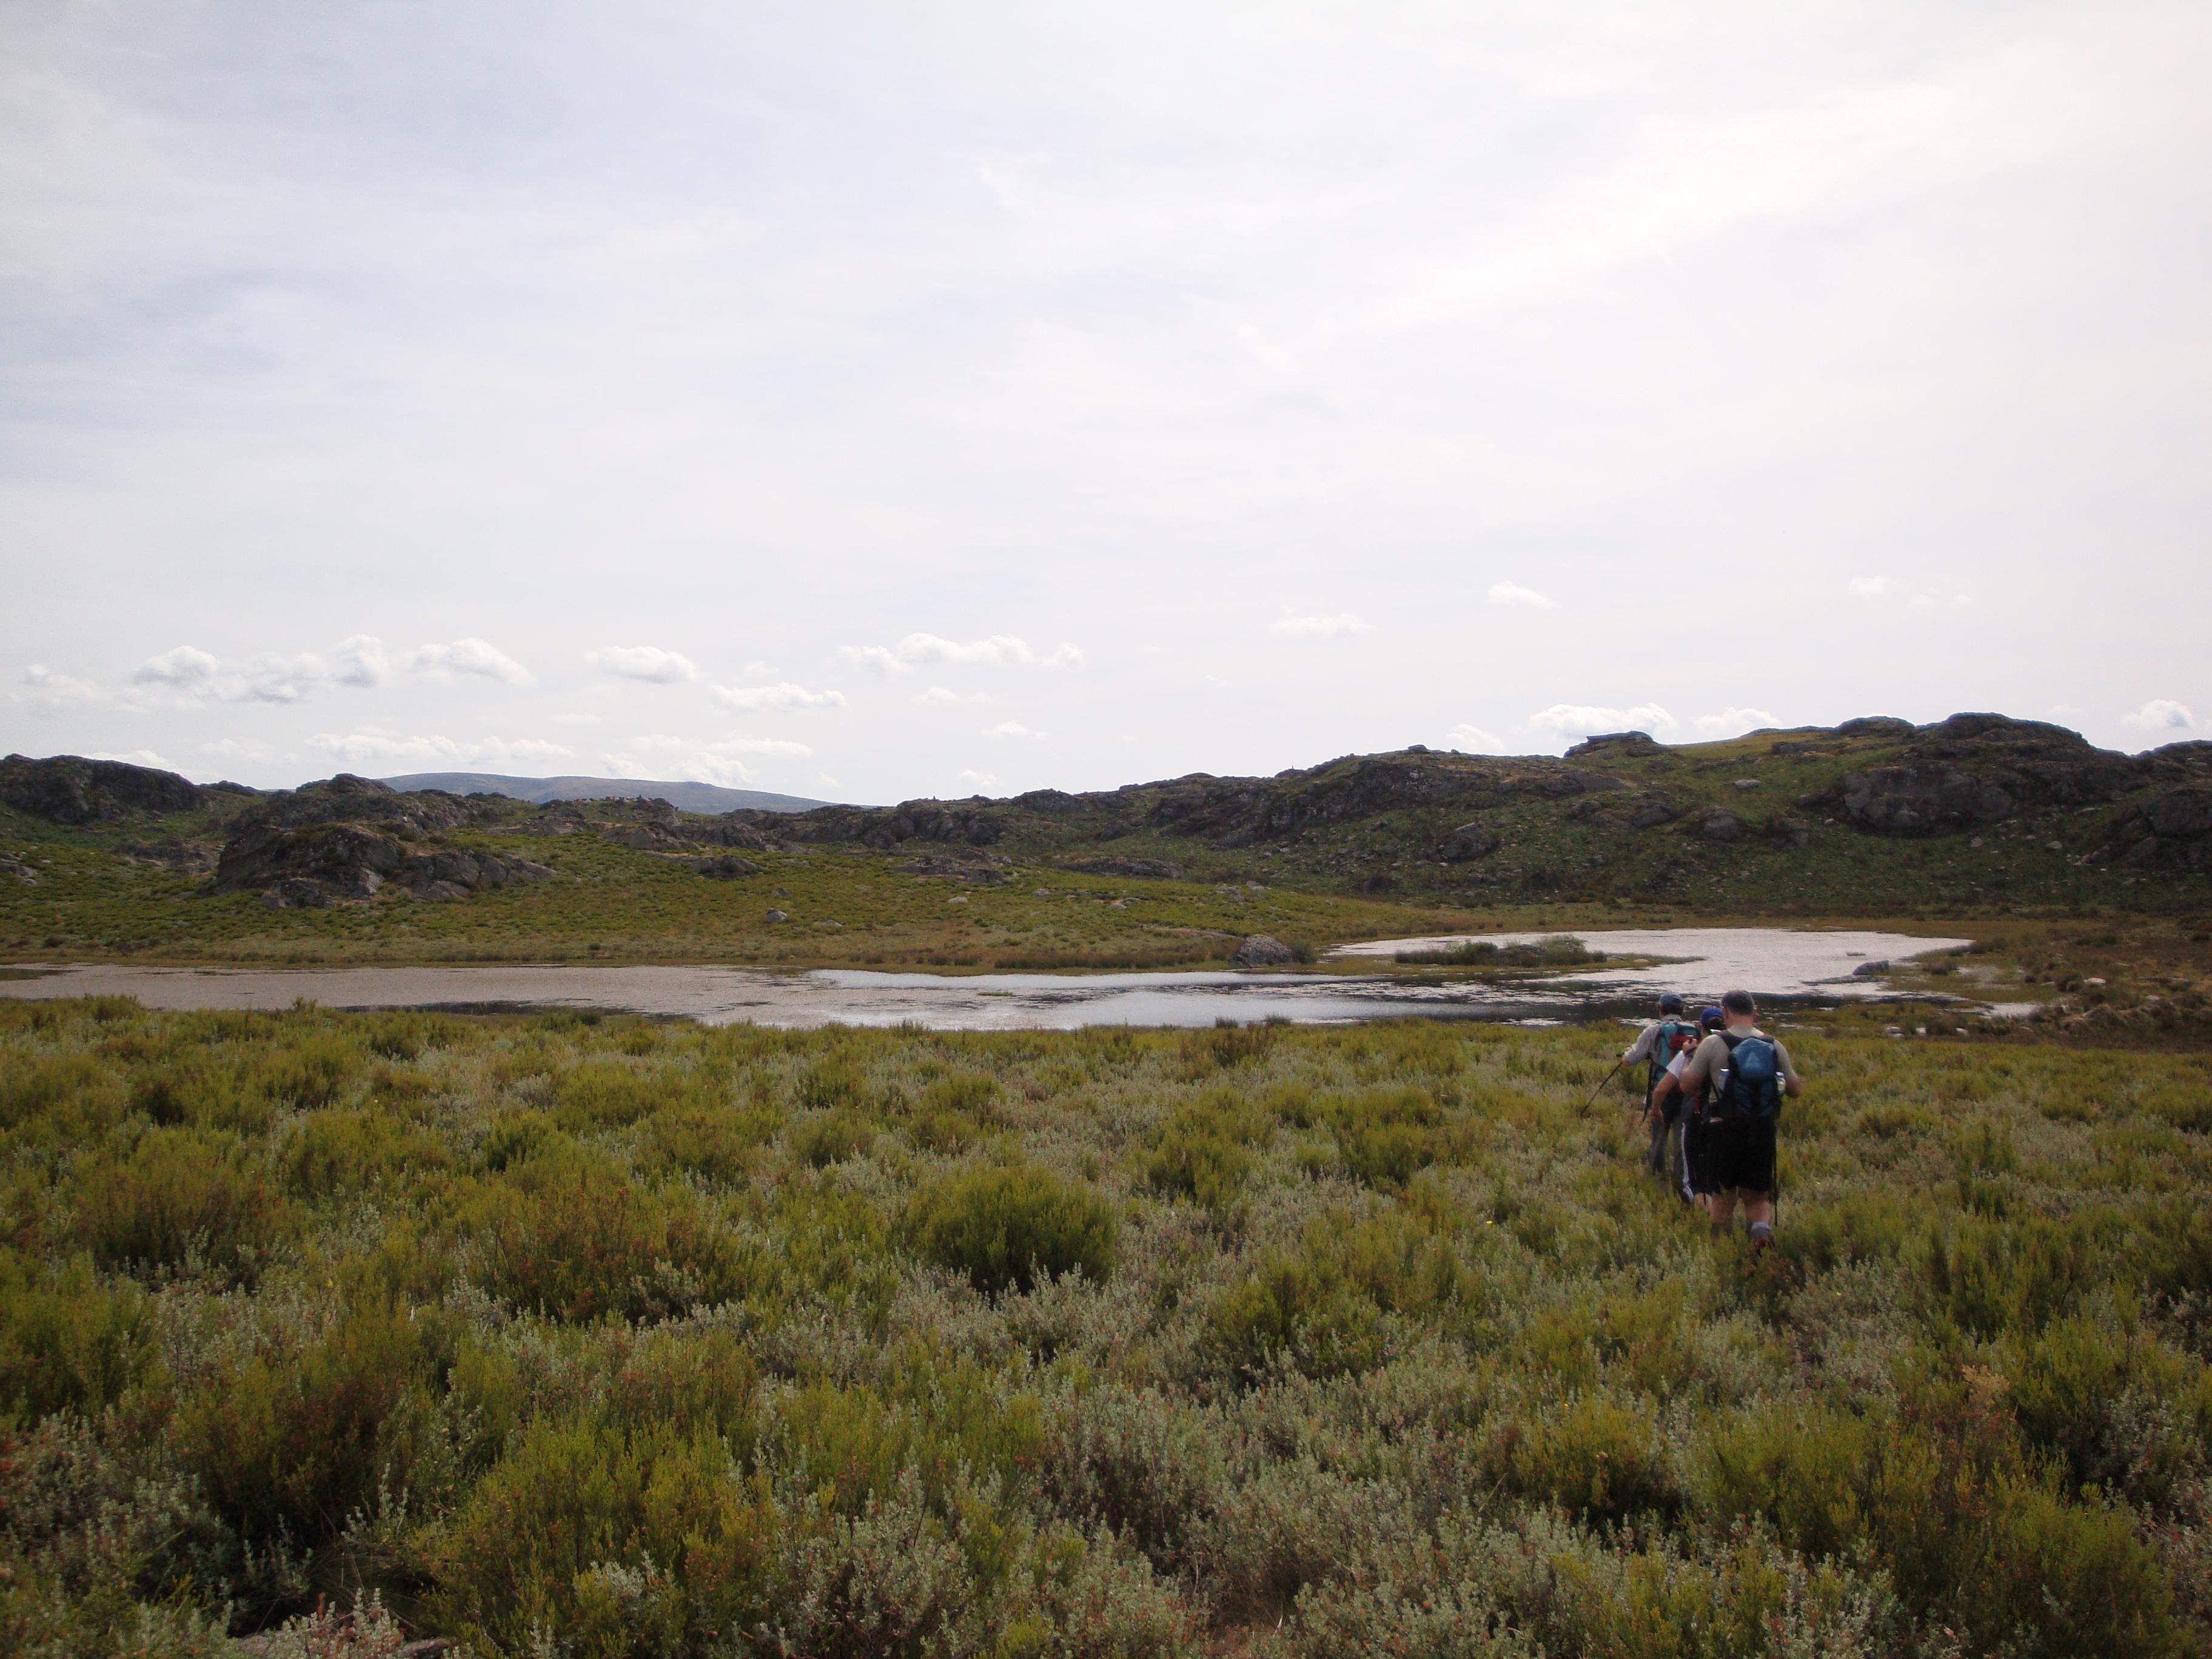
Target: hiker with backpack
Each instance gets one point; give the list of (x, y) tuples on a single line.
[(1742, 1075), (1690, 1110), (1662, 1044)]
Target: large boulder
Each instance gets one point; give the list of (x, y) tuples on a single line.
[(1652, 808), (1721, 825), (1919, 800), (2170, 830), (1261, 951), (1469, 840), (345, 859), (1616, 746), (351, 861), (71, 790)]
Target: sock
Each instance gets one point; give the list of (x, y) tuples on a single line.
[(1761, 1231)]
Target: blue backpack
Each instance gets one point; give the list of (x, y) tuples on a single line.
[(1753, 1087)]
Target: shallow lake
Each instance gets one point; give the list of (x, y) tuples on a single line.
[(1773, 961)]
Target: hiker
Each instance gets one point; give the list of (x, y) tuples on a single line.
[(1660, 1044), (1687, 1112), (1748, 1073)]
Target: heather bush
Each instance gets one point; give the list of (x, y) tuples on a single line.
[(69, 1341), (181, 1197), (1002, 1226), (590, 1336)]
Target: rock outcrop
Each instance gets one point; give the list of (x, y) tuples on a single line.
[(1973, 770), (1141, 869), (2170, 830), (1469, 840), (347, 836), (71, 790), (1261, 951), (354, 861)]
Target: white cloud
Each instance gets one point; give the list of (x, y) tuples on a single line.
[(942, 696), (1528, 598), (193, 675), (183, 666), (1735, 722), (1475, 740), (1013, 729), (1568, 720), (999, 650), (2161, 715), (784, 694), (1939, 592), (469, 656), (649, 663), (980, 783), (394, 750), (1321, 628), (362, 662), (51, 692), (275, 679)]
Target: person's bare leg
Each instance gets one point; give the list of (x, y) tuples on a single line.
[(1759, 1210), (1723, 1211)]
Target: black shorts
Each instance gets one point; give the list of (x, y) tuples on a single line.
[(1695, 1134), (1738, 1154)]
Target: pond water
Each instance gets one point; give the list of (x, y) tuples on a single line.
[(1771, 962)]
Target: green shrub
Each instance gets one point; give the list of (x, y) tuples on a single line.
[(82, 1092), (626, 1542), (180, 1195), (606, 1093), (349, 1148), (2065, 1386), (1202, 1151), (832, 1084), (1321, 1305), (574, 1237), (1998, 1276), (290, 1445), (821, 1138), (70, 1342), (1004, 1226), (717, 1143), (1596, 1456)]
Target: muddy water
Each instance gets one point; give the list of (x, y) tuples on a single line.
[(1771, 962)]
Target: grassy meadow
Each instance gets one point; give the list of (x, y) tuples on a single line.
[(843, 907), (564, 1336)]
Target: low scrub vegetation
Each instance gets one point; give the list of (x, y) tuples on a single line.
[(578, 1337)]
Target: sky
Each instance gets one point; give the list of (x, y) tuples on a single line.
[(870, 402)]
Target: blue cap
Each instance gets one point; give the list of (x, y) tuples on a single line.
[(1671, 1003), (1713, 1018)]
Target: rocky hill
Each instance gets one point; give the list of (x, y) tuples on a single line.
[(1873, 816)]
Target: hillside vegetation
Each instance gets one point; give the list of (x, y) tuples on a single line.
[(599, 1338), (1977, 815)]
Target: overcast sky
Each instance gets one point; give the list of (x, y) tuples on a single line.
[(872, 402)]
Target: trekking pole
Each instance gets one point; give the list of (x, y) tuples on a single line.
[(1601, 1082)]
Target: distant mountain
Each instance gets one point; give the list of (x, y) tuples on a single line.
[(684, 796)]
